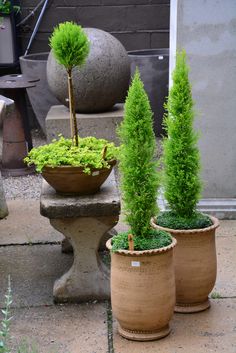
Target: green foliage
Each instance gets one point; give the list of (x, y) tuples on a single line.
[(153, 239), (174, 221), (181, 155), (89, 154), (139, 178), (5, 329), (215, 295), (6, 7), (69, 44)]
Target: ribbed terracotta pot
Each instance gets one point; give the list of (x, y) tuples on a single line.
[(195, 266), (69, 180), (143, 292)]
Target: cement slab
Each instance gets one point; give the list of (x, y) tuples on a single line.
[(25, 225), (209, 331), (227, 227), (226, 264), (62, 329), (33, 270)]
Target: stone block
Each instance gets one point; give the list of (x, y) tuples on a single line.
[(100, 125)]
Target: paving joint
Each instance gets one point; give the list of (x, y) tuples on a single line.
[(110, 328)]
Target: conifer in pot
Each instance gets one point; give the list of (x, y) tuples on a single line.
[(195, 255), (142, 274)]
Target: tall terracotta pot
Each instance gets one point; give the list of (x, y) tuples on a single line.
[(143, 292), (195, 266)]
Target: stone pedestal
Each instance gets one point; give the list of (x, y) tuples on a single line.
[(207, 31), (83, 221), (100, 125)]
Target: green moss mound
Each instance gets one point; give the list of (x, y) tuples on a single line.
[(155, 239), (174, 221), (89, 154)]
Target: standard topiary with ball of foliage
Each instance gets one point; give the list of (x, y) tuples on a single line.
[(70, 47), (138, 168), (182, 183)]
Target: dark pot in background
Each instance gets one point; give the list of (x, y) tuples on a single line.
[(153, 65), (41, 98)]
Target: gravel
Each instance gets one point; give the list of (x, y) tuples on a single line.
[(24, 187)]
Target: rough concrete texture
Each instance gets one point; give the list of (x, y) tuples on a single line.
[(208, 34), (33, 270), (209, 331), (25, 225), (41, 98), (62, 329), (82, 328), (101, 82), (100, 125), (106, 202), (3, 204)]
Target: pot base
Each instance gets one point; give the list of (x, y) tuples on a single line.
[(142, 335), (192, 308)]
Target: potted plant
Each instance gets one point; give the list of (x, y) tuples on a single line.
[(76, 165), (142, 273), (195, 255), (8, 56)]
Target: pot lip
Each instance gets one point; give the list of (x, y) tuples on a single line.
[(215, 225), (70, 167), (143, 252), (29, 57)]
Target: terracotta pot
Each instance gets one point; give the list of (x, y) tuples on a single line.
[(143, 292), (195, 266), (69, 180)]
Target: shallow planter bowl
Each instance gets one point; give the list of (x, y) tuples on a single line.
[(69, 180)]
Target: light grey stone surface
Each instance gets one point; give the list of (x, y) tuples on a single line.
[(101, 82), (207, 31), (84, 221), (100, 125), (40, 96), (3, 204)]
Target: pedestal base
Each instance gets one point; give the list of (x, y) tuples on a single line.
[(192, 308), (144, 336)]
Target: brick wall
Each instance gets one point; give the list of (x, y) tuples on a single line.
[(138, 24)]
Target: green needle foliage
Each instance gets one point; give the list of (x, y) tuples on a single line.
[(5, 329), (181, 154), (70, 47), (69, 44), (139, 178)]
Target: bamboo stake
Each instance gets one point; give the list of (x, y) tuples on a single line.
[(131, 242)]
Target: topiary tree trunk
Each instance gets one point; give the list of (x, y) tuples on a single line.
[(181, 154), (70, 46), (139, 178)]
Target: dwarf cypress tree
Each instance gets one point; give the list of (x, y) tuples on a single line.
[(70, 47), (139, 178), (181, 154)]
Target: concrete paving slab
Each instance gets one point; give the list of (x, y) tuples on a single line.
[(62, 329), (209, 331), (226, 264), (33, 270), (25, 225), (227, 227)]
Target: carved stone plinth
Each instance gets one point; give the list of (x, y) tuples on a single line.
[(83, 220)]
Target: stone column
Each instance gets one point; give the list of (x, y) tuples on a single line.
[(83, 220), (207, 31)]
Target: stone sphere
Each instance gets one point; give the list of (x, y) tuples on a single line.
[(101, 82)]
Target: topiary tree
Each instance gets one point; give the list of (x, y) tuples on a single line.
[(70, 46), (139, 178), (181, 154)]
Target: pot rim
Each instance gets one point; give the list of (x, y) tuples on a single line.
[(69, 167), (142, 252), (215, 225)]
